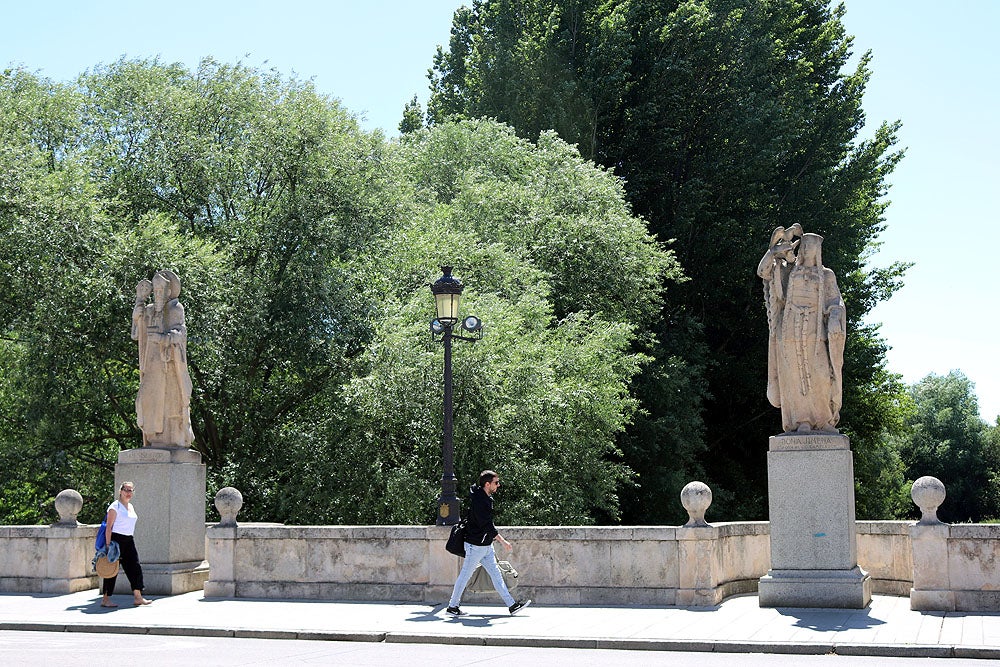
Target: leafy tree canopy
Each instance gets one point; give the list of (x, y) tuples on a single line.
[(946, 438), (724, 119), (304, 246)]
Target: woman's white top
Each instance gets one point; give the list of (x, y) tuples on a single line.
[(125, 518)]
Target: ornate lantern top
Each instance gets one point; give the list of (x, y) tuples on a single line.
[(447, 292)]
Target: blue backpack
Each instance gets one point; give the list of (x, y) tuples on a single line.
[(102, 539), (102, 535)]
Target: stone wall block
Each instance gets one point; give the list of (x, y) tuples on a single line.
[(442, 567), (743, 556), (698, 566), (931, 581), (220, 547), (644, 563), (974, 564), (565, 562)]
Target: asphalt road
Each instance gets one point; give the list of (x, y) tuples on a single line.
[(68, 649)]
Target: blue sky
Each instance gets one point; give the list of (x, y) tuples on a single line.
[(934, 68)]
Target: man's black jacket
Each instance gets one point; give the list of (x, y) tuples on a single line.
[(479, 528)]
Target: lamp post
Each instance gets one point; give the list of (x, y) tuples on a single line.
[(447, 292)]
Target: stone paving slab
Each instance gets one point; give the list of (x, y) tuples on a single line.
[(886, 628)]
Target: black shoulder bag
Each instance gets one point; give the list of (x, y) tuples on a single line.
[(456, 540)]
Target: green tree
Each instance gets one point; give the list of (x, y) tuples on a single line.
[(534, 232), (413, 117), (254, 188), (282, 182), (724, 120), (948, 439), (304, 248), (992, 455), (50, 231)]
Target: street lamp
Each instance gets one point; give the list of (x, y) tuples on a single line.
[(447, 292)]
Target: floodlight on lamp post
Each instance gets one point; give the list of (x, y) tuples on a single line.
[(447, 292)]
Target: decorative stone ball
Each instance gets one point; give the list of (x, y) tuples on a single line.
[(228, 501), (696, 497), (928, 493), (68, 503)]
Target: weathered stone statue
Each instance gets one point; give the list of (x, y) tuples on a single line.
[(810, 467), (808, 324), (163, 403)]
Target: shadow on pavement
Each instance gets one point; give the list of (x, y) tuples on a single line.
[(478, 620), (96, 608), (828, 620), (434, 614), (471, 619)]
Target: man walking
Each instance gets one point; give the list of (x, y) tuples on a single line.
[(480, 534)]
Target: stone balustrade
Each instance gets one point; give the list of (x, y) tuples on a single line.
[(941, 567), (49, 559), (884, 553), (697, 564), (955, 567), (657, 565)]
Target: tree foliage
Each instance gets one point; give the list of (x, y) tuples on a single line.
[(413, 117), (946, 438), (539, 232), (49, 364), (724, 120), (304, 246)]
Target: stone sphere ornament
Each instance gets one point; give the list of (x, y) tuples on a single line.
[(696, 498), (928, 493), (228, 501), (68, 504)]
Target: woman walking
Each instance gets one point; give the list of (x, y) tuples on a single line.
[(121, 528)]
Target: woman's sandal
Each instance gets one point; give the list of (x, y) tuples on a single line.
[(143, 602)]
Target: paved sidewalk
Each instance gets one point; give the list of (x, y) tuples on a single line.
[(886, 628)]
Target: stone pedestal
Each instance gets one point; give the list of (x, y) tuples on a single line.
[(932, 589), (697, 566), (814, 555), (222, 551), (67, 562), (170, 533)]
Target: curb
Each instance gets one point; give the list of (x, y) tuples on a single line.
[(692, 646)]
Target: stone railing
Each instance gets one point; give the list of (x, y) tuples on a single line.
[(884, 553), (656, 565), (941, 567), (955, 567), (49, 559), (696, 564)]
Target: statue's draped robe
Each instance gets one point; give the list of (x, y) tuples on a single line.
[(163, 403), (804, 360)]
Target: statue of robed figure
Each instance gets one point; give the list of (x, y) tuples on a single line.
[(163, 404), (807, 325)]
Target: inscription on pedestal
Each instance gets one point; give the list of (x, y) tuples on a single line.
[(796, 443)]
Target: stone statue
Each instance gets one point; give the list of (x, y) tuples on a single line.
[(808, 324), (163, 403)]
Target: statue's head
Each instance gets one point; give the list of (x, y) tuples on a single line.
[(810, 251), (166, 286), (160, 287)]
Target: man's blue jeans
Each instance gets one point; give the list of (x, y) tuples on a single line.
[(488, 559)]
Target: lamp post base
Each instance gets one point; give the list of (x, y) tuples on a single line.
[(449, 511)]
